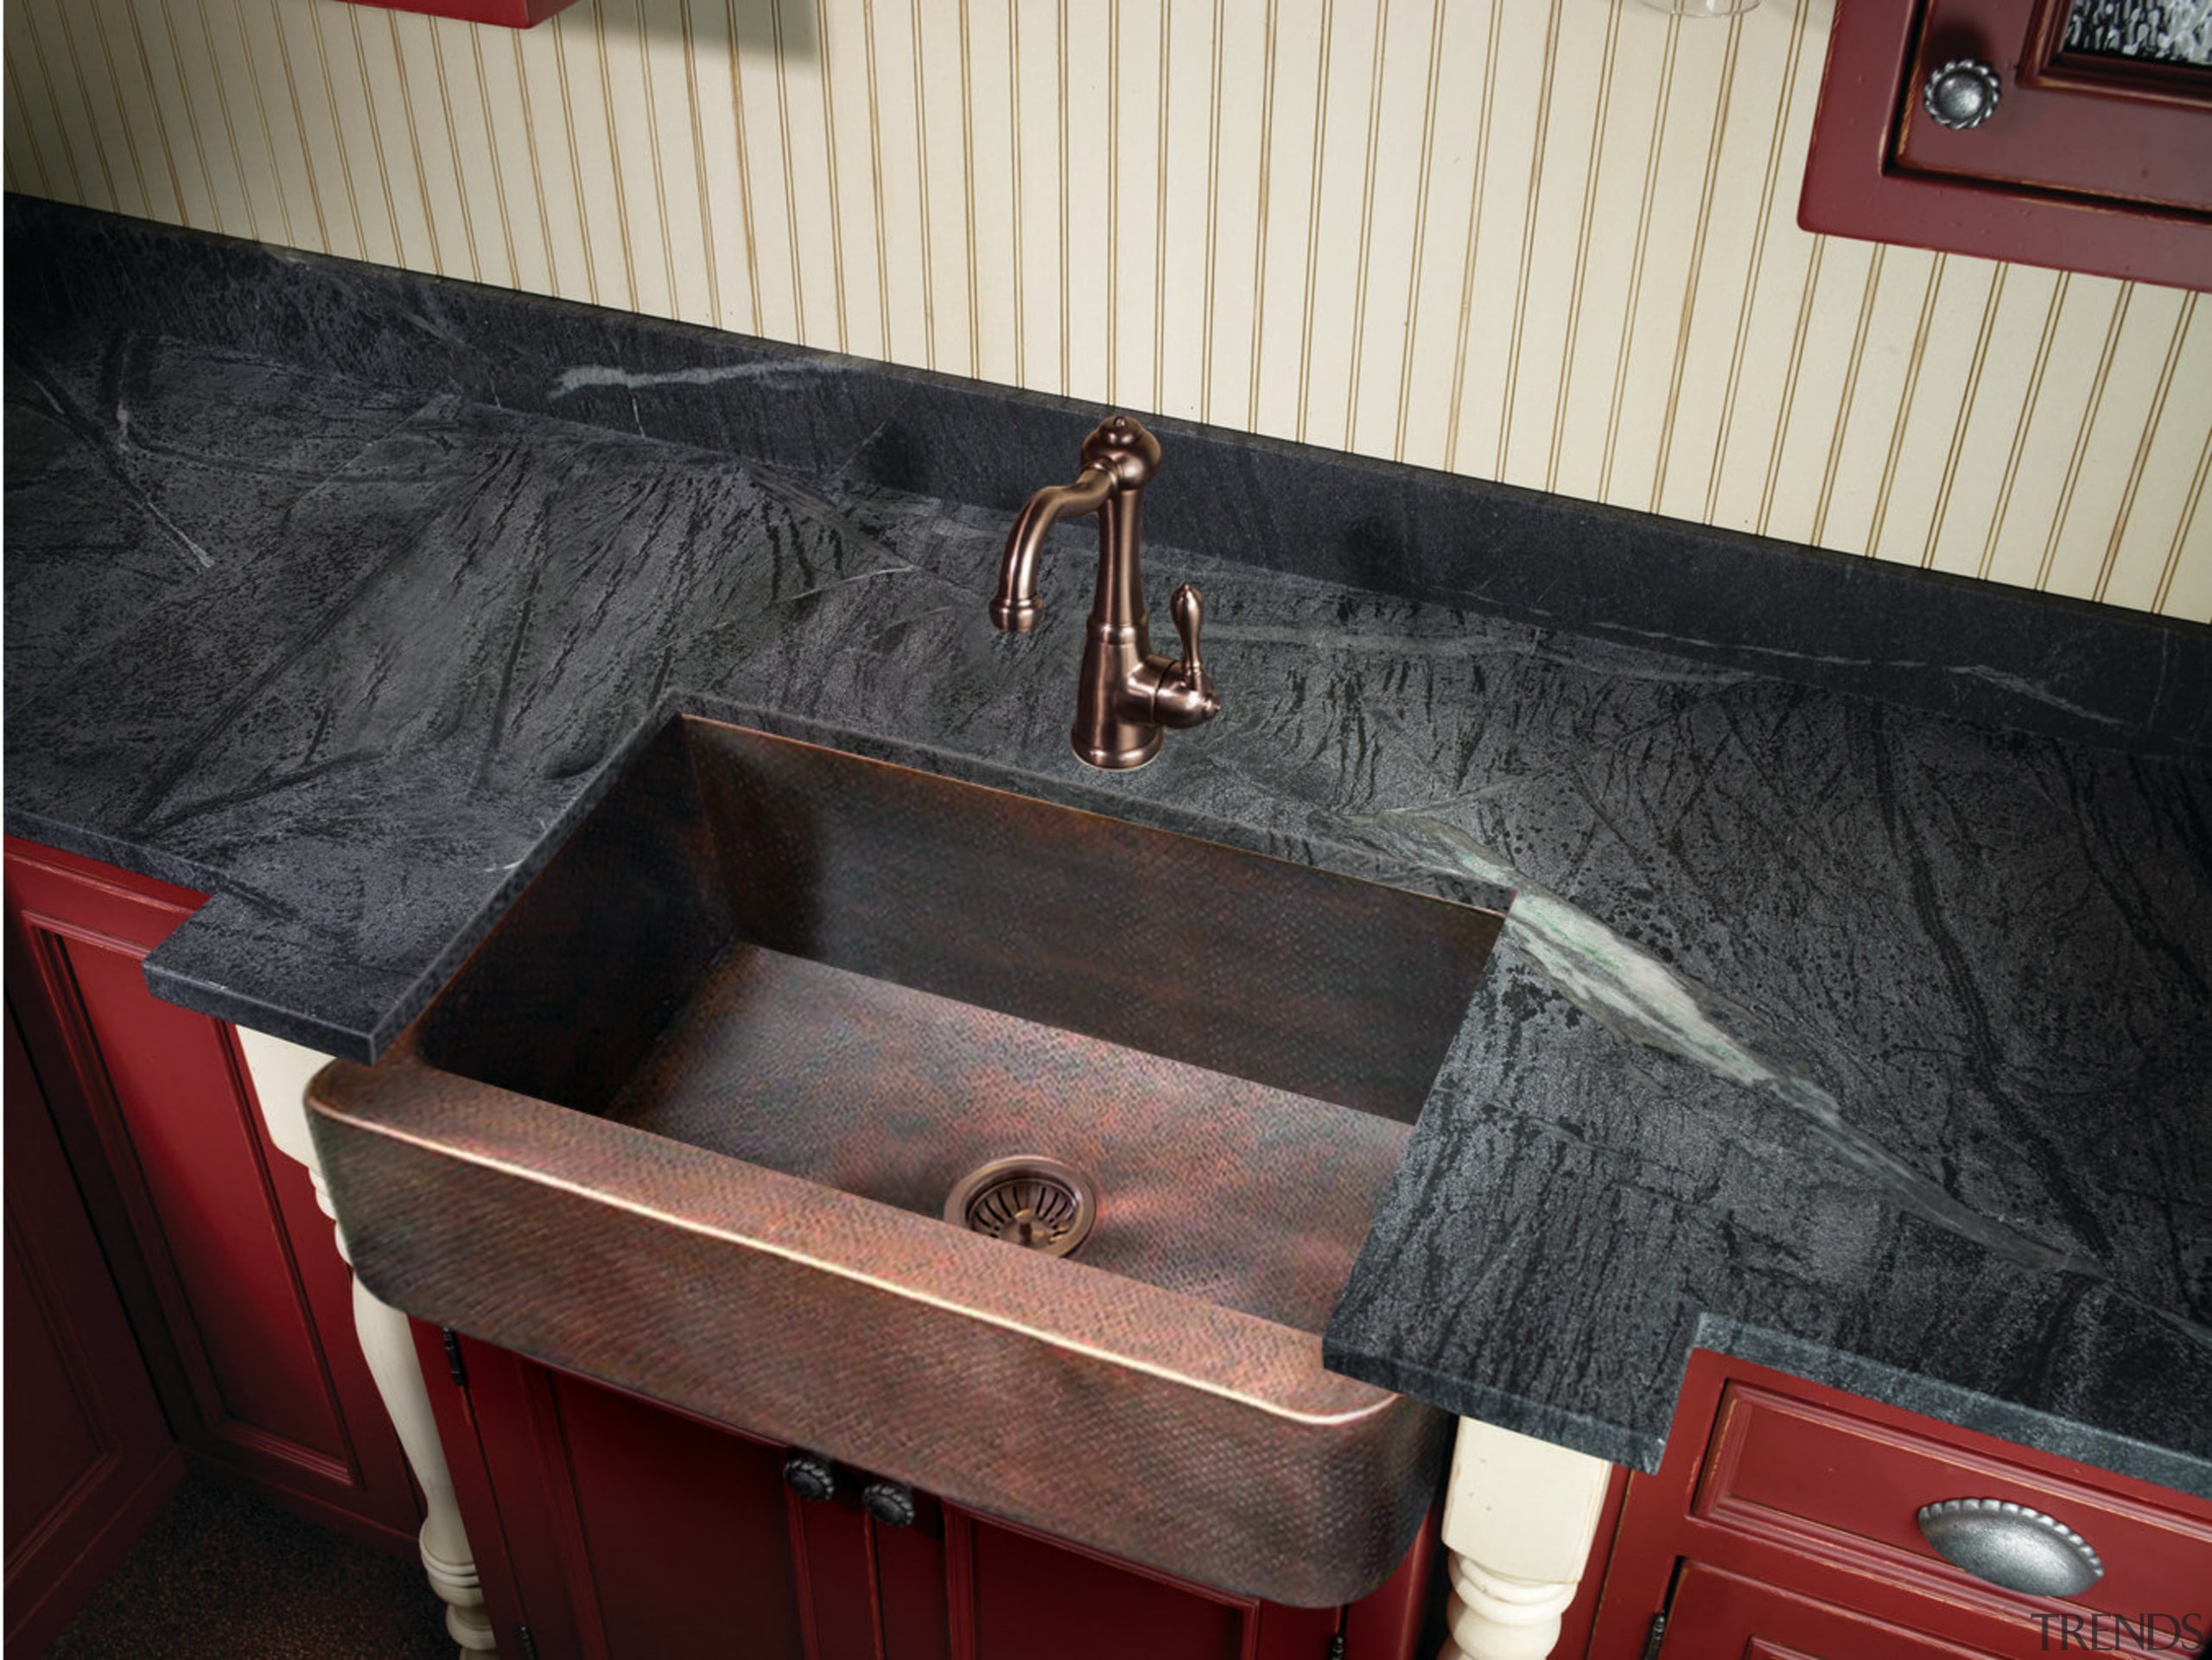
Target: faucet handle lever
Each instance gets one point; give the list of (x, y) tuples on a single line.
[(1188, 606)]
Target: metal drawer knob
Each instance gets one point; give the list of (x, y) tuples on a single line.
[(1963, 94), (2011, 1546), (891, 1503), (810, 1477)]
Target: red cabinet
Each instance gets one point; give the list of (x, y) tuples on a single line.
[(226, 1267), (1783, 1521), (610, 1526), (510, 14), (90, 1460), (2087, 160)]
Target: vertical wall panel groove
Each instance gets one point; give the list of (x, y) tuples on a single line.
[(1479, 176), (2089, 407), (312, 126), (1716, 145), (143, 62), (1655, 139), (2198, 571), (71, 78), (1546, 80), (2150, 427), (1200, 206)]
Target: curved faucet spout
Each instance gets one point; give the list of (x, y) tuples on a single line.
[(1126, 697), (1014, 609)]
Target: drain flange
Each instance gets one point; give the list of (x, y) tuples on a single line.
[(1027, 1200)]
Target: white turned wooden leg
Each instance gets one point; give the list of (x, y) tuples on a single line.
[(1519, 1517), (281, 1072)]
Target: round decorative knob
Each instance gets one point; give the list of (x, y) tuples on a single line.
[(891, 1503), (1963, 94), (2009, 1545), (1121, 447), (809, 1477)]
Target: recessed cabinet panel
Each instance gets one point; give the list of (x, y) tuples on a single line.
[(1977, 127), (676, 1568), (1718, 1616), (54, 1442), (89, 1459), (181, 1131), (2122, 129), (1022, 1586)]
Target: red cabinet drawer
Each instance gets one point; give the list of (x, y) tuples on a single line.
[(1718, 1616), (1850, 1489)]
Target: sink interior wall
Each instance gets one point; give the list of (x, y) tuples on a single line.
[(1292, 977), (586, 968)]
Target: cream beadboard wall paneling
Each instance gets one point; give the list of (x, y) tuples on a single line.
[(1548, 241)]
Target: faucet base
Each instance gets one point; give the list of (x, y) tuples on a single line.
[(1115, 760)]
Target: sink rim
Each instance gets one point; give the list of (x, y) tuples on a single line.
[(1173, 1336)]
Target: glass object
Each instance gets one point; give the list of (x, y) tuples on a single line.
[(1701, 8)]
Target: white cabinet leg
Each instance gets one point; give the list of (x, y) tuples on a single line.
[(1519, 1517), (389, 1350), (281, 1072)]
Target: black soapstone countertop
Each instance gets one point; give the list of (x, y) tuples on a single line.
[(1834, 1034)]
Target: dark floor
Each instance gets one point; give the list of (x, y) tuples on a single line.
[(222, 1575)]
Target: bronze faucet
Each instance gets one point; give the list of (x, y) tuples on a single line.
[(1126, 697)]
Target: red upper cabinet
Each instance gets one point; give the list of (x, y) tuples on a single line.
[(510, 14), (2055, 132)]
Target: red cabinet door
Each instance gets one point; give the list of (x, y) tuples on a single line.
[(627, 1529), (90, 1460), (228, 1267), (623, 1528), (2087, 161)]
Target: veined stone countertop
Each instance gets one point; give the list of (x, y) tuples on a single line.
[(1837, 1035)]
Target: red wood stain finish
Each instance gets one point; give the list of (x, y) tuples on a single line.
[(89, 1458), (1787, 1469), (1576, 1624), (228, 1267), (1718, 1614), (1803, 1498), (1024, 1587), (844, 1603), (2101, 166), (709, 1549), (912, 1573), (611, 1527), (455, 1410), (663, 1535)]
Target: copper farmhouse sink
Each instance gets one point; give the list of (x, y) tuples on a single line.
[(689, 1119)]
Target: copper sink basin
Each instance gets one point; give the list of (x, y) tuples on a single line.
[(687, 1120)]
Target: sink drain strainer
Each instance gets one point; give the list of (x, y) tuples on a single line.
[(1040, 1203)]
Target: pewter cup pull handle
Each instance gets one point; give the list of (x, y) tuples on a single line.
[(2009, 1545)]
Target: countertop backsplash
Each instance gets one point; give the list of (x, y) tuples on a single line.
[(1553, 245)]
